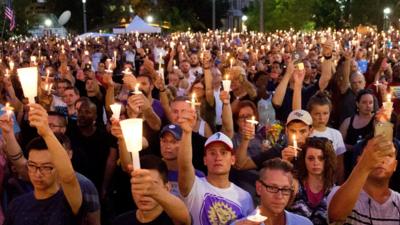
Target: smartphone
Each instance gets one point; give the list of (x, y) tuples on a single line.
[(385, 129)]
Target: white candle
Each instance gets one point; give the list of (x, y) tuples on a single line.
[(132, 130), (257, 218), (294, 141), (11, 64), (300, 66), (377, 86), (226, 83), (253, 120), (29, 79), (116, 110), (231, 62), (193, 102), (115, 55), (48, 87), (137, 91)]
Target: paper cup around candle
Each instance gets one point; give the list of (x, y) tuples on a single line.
[(227, 85), (300, 66), (116, 110), (132, 129), (29, 79)]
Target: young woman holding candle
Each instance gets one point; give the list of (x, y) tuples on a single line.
[(316, 177)]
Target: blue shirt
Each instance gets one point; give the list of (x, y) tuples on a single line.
[(16, 127)]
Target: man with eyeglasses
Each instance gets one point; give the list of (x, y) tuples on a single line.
[(57, 195), (365, 197), (275, 188)]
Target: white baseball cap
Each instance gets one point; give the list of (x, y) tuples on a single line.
[(301, 115), (219, 137)]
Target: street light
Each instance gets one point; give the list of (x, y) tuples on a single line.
[(386, 12), (149, 19), (84, 16), (48, 23), (244, 19)]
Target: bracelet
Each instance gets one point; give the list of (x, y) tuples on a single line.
[(16, 156)]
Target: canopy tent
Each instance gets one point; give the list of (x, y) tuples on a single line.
[(94, 35), (138, 25)]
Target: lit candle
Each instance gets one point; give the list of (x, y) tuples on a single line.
[(7, 74), (231, 62), (115, 55), (161, 72), (388, 105), (11, 64), (116, 110), (48, 87), (132, 130), (253, 120), (193, 102), (257, 218), (29, 79), (226, 83), (137, 91), (294, 141), (9, 110), (377, 85), (300, 66), (33, 59)]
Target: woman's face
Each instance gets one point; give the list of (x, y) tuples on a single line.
[(315, 161), (198, 89), (366, 104), (320, 115)]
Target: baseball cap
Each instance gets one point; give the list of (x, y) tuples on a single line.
[(301, 115), (174, 129), (221, 138)]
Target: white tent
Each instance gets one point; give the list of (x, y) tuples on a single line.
[(138, 25), (94, 35)]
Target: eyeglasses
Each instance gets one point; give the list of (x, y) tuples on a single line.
[(44, 170), (244, 117), (51, 125), (274, 190)]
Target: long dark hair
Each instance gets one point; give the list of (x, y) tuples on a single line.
[(325, 145)]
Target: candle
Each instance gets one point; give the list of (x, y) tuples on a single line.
[(300, 66), (132, 130), (377, 86), (226, 83), (127, 72), (109, 69), (29, 79), (7, 74), (253, 120), (137, 91), (9, 110), (388, 105), (116, 110), (257, 218), (115, 55), (47, 87), (231, 62), (193, 102), (161, 73), (33, 59), (11, 64), (294, 141)]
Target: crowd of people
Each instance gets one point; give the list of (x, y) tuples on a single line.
[(238, 128)]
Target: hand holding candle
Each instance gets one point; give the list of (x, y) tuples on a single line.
[(253, 120), (388, 105), (137, 91), (9, 110)]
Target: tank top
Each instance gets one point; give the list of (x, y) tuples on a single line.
[(355, 135), (202, 128)]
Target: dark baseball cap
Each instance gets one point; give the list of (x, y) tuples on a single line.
[(174, 129)]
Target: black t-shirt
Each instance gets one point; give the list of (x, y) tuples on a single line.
[(129, 218), (91, 153), (198, 142), (282, 112), (26, 210)]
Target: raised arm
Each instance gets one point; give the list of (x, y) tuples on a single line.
[(280, 91), (227, 117), (243, 161), (13, 150), (59, 157), (298, 77), (186, 173), (344, 80), (326, 66), (207, 64), (144, 184), (343, 201)]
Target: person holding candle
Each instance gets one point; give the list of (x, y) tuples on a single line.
[(151, 193), (57, 194), (299, 125), (365, 197), (215, 192), (316, 177), (275, 187), (241, 88)]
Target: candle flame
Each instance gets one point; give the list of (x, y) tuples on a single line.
[(389, 97)]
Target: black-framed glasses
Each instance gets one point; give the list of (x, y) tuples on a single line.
[(44, 170), (274, 190)]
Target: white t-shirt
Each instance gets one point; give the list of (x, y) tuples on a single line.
[(211, 205), (291, 219), (367, 210), (335, 136)]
